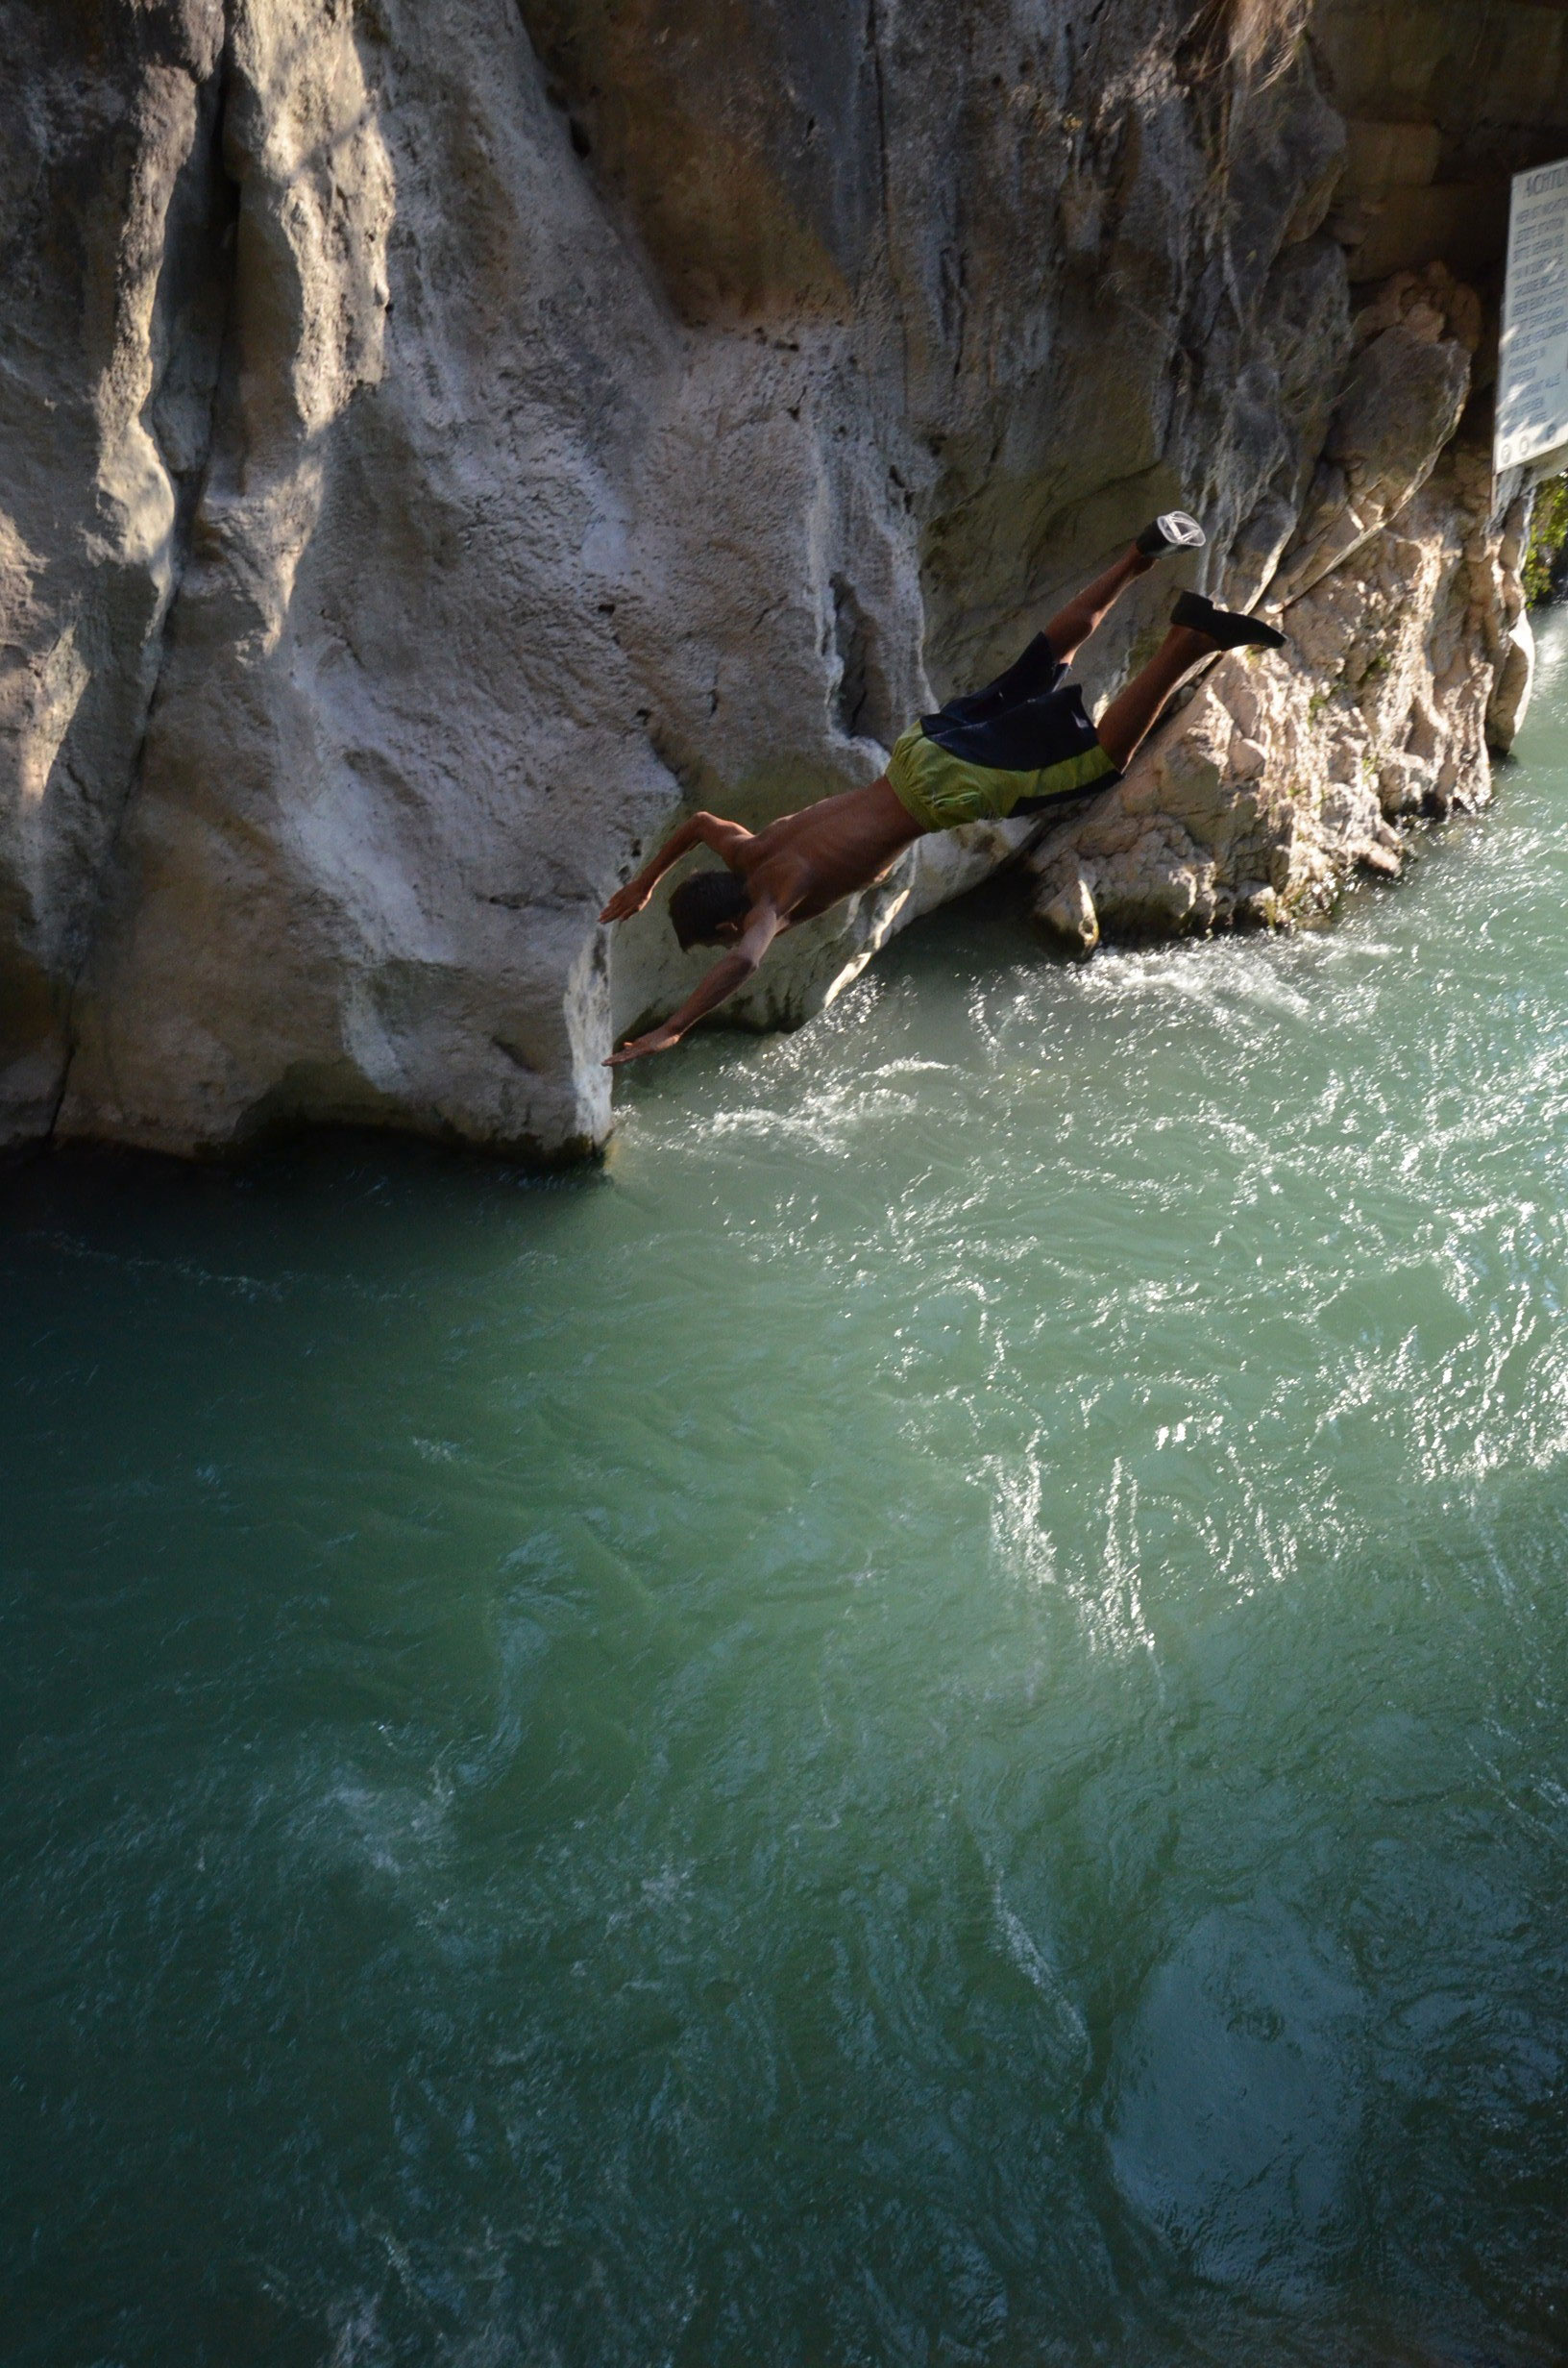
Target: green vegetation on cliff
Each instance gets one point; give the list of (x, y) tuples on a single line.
[(1544, 560)]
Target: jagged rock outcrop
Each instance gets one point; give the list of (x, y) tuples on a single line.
[(443, 438), (1399, 593)]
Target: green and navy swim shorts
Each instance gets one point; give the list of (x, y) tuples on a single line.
[(1018, 747)]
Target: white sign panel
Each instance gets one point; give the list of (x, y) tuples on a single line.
[(1532, 366)]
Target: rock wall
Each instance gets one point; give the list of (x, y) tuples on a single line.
[(445, 439)]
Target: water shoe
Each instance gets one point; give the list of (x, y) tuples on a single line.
[(1172, 531), (1227, 628)]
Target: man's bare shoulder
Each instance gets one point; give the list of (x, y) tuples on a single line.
[(779, 878)]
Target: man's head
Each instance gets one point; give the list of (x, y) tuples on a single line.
[(708, 909)]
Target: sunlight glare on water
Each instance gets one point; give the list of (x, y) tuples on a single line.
[(925, 1724)]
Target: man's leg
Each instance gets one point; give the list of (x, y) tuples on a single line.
[(1172, 531), (1072, 625), (1198, 628), (1131, 713)]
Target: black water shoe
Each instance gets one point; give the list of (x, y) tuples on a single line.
[(1227, 628), (1172, 531)]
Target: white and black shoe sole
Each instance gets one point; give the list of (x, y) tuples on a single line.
[(1172, 531)]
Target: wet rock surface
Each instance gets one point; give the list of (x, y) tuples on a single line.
[(444, 442)]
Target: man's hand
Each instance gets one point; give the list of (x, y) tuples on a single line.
[(628, 901), (661, 1039), (763, 924)]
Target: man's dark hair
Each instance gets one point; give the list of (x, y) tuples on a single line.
[(701, 904)]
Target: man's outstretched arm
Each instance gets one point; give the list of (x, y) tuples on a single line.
[(698, 831), (763, 924)]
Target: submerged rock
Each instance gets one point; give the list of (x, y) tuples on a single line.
[(446, 439), (1515, 683)]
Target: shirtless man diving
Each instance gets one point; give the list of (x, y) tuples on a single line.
[(1020, 746)]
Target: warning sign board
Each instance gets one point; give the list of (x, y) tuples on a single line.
[(1532, 365)]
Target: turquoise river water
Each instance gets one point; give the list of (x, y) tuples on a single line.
[(928, 1723)]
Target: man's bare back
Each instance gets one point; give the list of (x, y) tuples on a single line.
[(804, 863)]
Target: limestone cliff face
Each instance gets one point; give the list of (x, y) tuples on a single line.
[(443, 440)]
